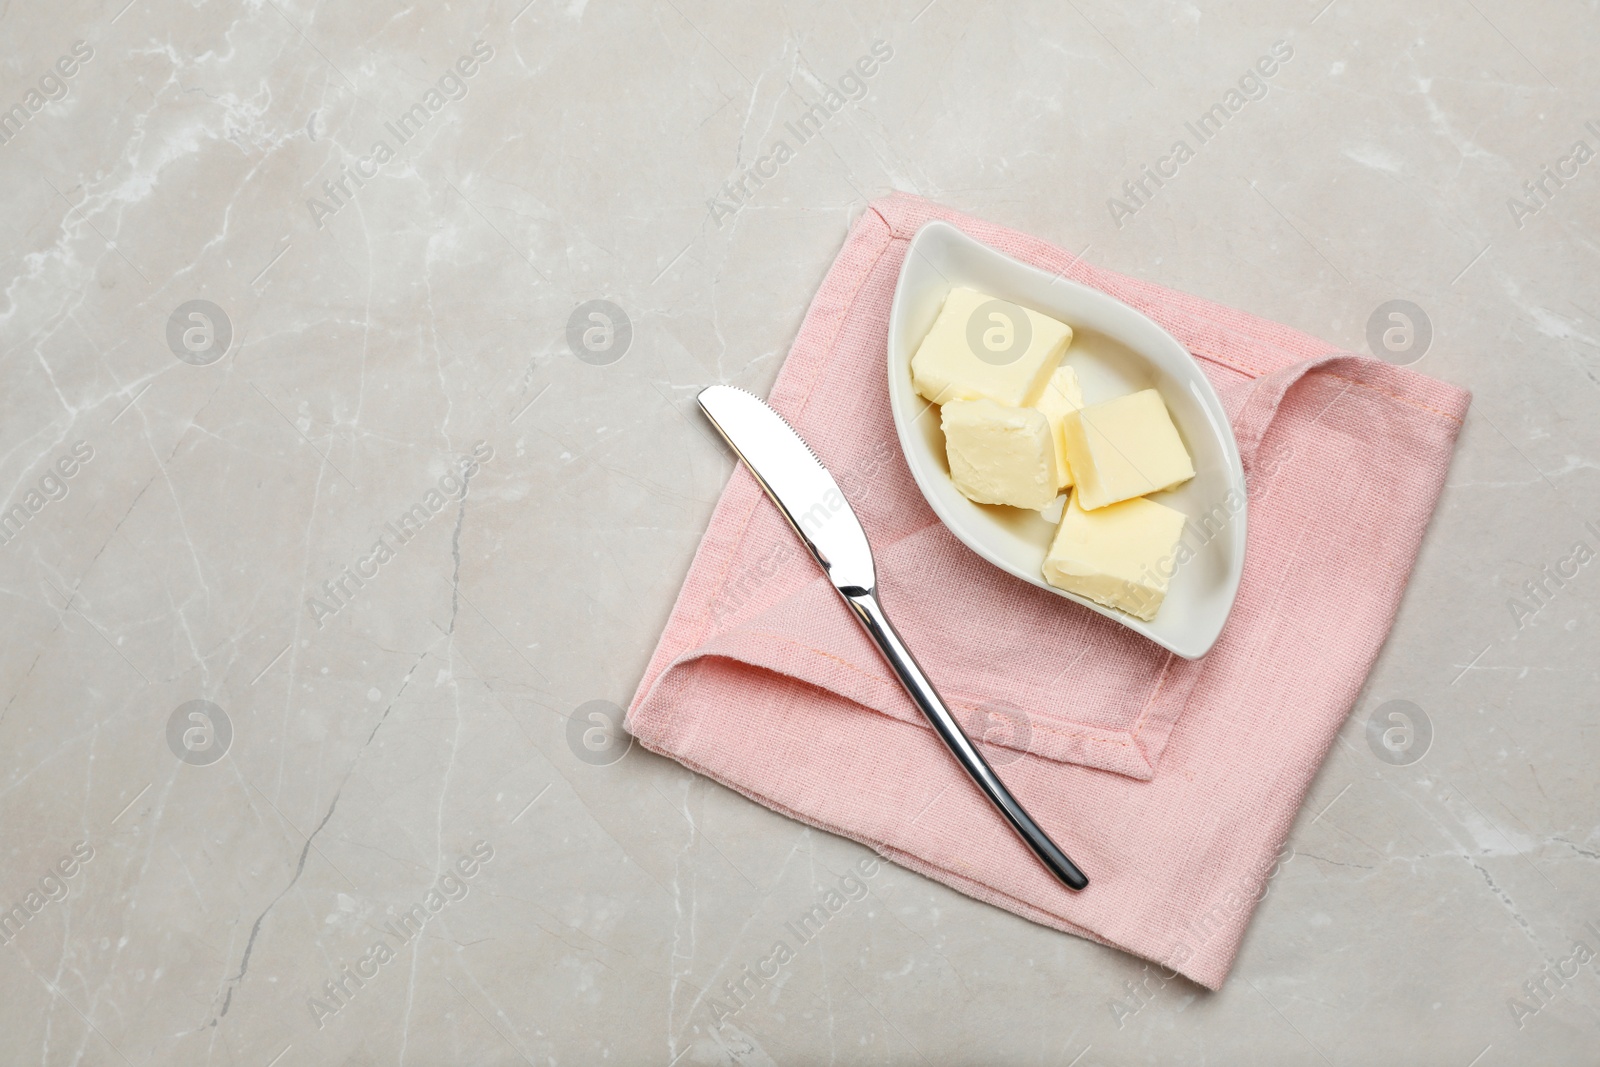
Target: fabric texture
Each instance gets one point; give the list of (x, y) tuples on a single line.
[(1172, 783)]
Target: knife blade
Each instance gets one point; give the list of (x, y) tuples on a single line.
[(816, 509)]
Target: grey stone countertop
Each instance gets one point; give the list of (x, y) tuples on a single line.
[(278, 273)]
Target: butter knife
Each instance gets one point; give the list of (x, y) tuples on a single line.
[(811, 502)]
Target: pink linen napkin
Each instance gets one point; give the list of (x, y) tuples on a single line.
[(1172, 783)]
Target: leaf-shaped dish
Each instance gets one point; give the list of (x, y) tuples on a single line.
[(1115, 350)]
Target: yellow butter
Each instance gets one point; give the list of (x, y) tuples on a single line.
[(1122, 555), (983, 348), (999, 454), (1124, 448), (1062, 394)]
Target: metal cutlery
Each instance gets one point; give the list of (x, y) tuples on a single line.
[(811, 502)]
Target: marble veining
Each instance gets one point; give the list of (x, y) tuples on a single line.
[(349, 467)]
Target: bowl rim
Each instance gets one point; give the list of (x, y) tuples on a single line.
[(1192, 642)]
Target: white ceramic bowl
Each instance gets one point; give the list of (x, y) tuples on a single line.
[(1115, 350)]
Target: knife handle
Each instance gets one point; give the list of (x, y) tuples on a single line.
[(869, 613)]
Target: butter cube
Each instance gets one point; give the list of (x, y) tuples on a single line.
[(1000, 455), (983, 348), (1061, 394), (1122, 555), (1124, 448)]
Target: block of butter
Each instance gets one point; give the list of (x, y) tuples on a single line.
[(1062, 394), (1123, 448), (999, 454), (983, 348), (1122, 555)]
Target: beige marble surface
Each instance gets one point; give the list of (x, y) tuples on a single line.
[(234, 856)]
